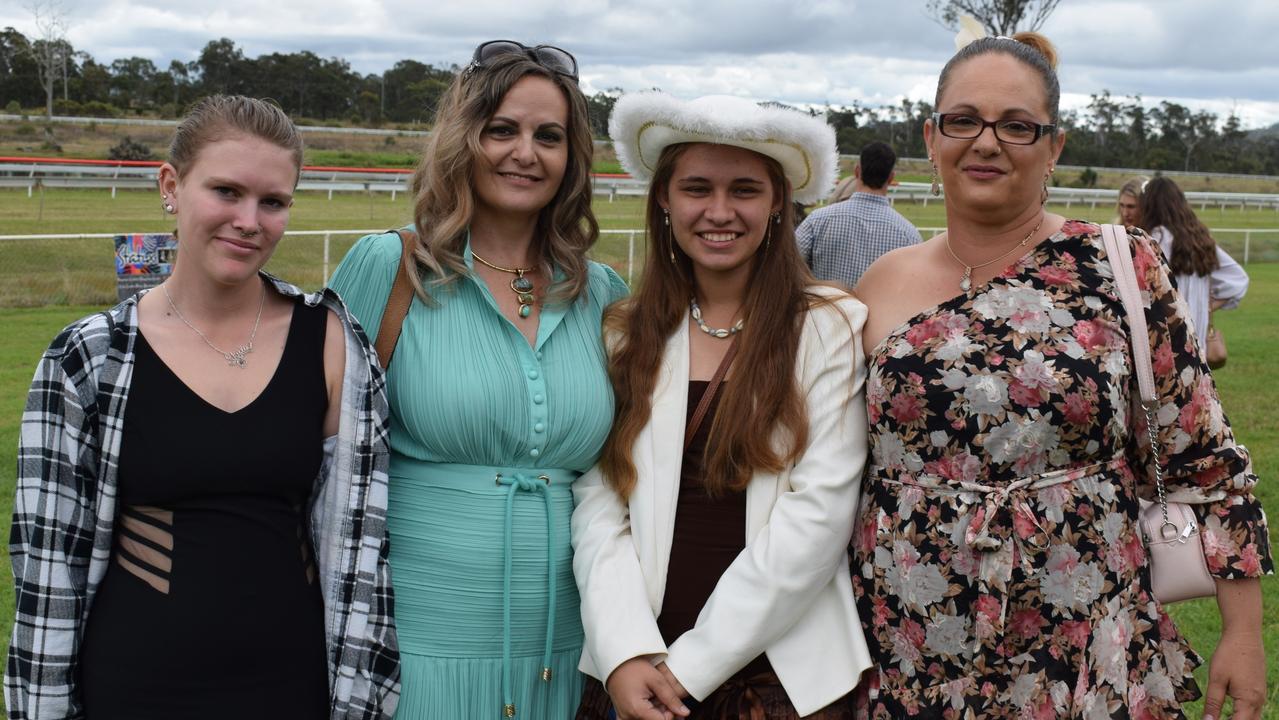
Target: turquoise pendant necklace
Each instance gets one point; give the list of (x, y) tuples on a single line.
[(520, 285)]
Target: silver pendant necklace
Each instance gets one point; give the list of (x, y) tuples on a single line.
[(720, 333), (236, 357)]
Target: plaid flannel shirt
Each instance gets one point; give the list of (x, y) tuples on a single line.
[(840, 241), (60, 542)]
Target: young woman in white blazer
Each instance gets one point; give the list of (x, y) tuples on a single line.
[(711, 540)]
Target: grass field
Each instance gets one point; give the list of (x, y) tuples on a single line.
[(77, 272)]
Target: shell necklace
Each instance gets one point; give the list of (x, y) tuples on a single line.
[(720, 333), (520, 285), (966, 282)]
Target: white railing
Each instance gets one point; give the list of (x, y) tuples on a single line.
[(33, 176), (1092, 197)]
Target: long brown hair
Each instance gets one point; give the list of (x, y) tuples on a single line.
[(442, 187), (763, 395), (1194, 252)]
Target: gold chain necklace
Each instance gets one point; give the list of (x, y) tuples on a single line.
[(966, 282), (520, 285)]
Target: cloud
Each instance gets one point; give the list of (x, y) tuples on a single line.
[(812, 52)]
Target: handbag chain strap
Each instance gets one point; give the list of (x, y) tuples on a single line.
[(1118, 249)]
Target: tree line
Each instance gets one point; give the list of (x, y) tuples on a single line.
[(1112, 131)]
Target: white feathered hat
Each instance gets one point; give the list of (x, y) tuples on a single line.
[(643, 124)]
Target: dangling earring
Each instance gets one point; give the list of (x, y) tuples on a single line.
[(774, 219), (936, 189), (670, 236), (168, 206), (1043, 197)]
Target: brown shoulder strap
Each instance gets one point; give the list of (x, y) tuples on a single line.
[(703, 405), (397, 303)]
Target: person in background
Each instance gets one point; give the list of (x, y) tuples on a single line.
[(1207, 277), (1129, 203), (199, 529), (998, 561), (711, 540), (841, 240), (498, 389)]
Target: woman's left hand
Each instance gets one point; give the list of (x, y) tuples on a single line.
[(1238, 665), (674, 682), (1237, 669)]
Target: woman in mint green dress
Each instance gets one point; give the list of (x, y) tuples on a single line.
[(499, 393)]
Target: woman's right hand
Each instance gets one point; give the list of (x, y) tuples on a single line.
[(640, 692)]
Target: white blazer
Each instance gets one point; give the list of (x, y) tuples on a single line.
[(788, 594)]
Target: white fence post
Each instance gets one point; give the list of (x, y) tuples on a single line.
[(326, 257), (630, 256), (1247, 238)]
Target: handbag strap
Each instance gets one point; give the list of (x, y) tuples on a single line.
[(1118, 249), (397, 303), (703, 405)]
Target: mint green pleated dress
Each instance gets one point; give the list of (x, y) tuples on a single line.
[(487, 436)]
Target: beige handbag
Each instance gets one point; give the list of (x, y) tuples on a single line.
[(1215, 353), (1178, 570)]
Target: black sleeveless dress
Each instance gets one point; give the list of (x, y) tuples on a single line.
[(210, 607)]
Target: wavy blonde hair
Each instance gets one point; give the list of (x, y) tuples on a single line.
[(444, 197)]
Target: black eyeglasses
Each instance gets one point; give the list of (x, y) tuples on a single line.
[(557, 60), (967, 127)]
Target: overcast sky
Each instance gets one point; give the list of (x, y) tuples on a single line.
[(1217, 56)]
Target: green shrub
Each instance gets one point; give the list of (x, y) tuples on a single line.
[(25, 129), (13, 108), (128, 149), (94, 108), (66, 107)]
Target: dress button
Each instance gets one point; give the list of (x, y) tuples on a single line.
[(538, 399), (532, 375), (539, 354), (539, 427), (534, 452)]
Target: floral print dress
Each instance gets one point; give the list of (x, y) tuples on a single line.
[(997, 563)]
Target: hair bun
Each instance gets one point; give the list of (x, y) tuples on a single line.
[(1040, 43)]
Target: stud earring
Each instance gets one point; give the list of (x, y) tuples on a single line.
[(168, 206)]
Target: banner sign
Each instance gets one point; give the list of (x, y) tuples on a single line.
[(143, 261)]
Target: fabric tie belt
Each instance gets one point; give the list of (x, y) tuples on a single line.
[(1012, 505), (538, 484), (412, 478)]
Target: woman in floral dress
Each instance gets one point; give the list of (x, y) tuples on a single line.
[(997, 562)]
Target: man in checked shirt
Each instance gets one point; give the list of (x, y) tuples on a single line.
[(841, 240)]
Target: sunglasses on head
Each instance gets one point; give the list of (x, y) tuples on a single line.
[(557, 60)]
